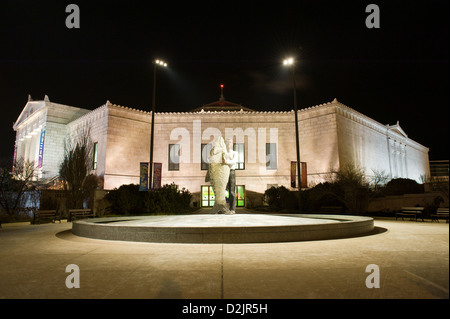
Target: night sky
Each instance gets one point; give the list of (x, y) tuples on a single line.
[(398, 72)]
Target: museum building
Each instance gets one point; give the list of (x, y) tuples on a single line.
[(331, 135)]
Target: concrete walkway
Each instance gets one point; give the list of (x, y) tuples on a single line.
[(412, 258)]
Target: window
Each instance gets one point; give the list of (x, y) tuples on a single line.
[(206, 149), (271, 156), (240, 149), (94, 155), (174, 157)]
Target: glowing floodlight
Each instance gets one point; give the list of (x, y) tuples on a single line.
[(160, 62), (288, 61)]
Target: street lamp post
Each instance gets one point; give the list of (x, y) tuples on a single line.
[(155, 64), (290, 62)]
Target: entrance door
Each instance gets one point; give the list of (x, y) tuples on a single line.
[(240, 196), (208, 197)]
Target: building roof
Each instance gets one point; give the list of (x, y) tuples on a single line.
[(221, 105)]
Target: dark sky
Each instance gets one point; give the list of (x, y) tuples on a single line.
[(398, 72)]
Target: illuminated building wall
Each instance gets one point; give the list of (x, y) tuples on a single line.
[(41, 133), (379, 148), (331, 134)]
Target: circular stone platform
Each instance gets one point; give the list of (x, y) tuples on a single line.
[(213, 229)]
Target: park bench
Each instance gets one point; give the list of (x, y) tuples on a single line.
[(413, 212), (80, 213), (46, 214), (441, 213)]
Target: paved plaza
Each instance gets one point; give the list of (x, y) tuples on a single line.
[(412, 258)]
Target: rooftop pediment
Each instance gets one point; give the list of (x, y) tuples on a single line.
[(30, 109), (397, 129)]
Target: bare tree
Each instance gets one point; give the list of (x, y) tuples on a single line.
[(75, 170), (14, 183), (350, 186), (378, 179)]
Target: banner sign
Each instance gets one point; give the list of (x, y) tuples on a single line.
[(143, 177), (157, 170), (293, 174), (41, 149), (303, 172), (304, 176), (14, 157)]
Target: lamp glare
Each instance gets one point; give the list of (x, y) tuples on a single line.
[(288, 61)]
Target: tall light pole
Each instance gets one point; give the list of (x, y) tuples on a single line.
[(289, 62), (150, 178)]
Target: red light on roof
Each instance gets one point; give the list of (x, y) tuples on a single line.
[(221, 86)]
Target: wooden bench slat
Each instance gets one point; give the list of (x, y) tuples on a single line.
[(75, 213), (413, 212), (441, 213), (46, 214)]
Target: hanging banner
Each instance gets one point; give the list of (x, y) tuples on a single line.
[(41, 149), (14, 157), (143, 177), (157, 170), (293, 174), (303, 177)]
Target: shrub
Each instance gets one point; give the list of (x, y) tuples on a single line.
[(281, 198), (271, 197), (347, 187), (128, 200), (400, 186), (323, 195)]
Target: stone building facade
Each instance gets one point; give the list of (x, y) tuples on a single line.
[(331, 135)]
